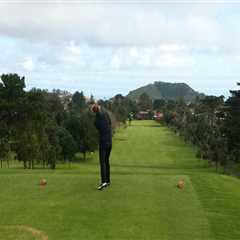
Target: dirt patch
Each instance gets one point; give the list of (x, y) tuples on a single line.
[(120, 139), (35, 232)]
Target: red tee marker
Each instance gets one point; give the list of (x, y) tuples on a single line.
[(181, 184), (43, 182)]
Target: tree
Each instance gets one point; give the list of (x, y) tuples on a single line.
[(27, 148), (231, 124), (65, 97), (4, 144), (55, 107), (54, 149), (159, 104), (78, 102), (200, 123), (30, 126), (43, 127), (11, 98), (67, 143), (81, 126), (92, 100), (72, 124), (12, 86), (119, 108), (11, 104), (210, 105), (89, 140), (144, 102)]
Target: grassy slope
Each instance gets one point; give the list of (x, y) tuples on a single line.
[(142, 203)]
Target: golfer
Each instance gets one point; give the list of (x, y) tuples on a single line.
[(103, 125)]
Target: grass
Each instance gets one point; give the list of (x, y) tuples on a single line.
[(142, 202)]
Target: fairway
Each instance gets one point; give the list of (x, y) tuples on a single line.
[(142, 202)]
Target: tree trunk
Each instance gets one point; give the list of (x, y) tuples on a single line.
[(44, 163), (53, 164), (69, 163), (1, 163), (224, 168)]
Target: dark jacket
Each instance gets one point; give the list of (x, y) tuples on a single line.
[(103, 125)]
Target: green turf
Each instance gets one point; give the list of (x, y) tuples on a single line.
[(142, 202)]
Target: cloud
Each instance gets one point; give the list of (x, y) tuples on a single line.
[(201, 27), (174, 60), (28, 64), (71, 54), (111, 24), (152, 57), (88, 46), (73, 48), (171, 47)]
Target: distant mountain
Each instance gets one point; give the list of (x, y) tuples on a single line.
[(166, 91)]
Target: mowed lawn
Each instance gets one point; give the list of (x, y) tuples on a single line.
[(142, 202)]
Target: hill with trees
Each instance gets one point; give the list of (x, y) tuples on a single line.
[(166, 91)]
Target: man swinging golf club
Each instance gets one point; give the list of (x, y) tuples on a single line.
[(103, 125)]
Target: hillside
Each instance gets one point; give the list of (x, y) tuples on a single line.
[(166, 91)]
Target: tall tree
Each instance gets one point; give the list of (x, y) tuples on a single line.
[(144, 102), (88, 133), (4, 143), (12, 97), (78, 102), (232, 126), (159, 104), (83, 131), (67, 143)]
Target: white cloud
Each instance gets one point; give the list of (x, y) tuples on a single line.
[(97, 43), (28, 64), (116, 62), (73, 48), (173, 27), (133, 52), (152, 57), (172, 47), (112, 24), (72, 54), (174, 60)]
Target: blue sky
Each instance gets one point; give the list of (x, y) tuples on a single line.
[(109, 47)]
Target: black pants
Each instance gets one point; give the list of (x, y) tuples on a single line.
[(104, 154)]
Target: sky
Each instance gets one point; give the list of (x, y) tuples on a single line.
[(106, 47)]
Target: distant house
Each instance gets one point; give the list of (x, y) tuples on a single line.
[(158, 116), (142, 115)]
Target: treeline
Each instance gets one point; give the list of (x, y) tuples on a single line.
[(212, 124), (41, 128), (120, 107)]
